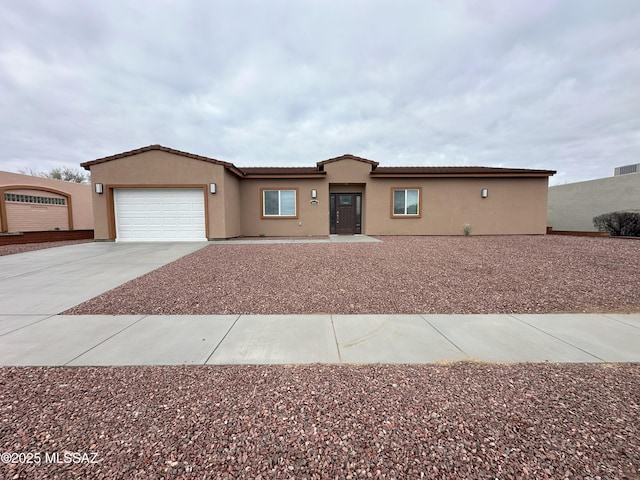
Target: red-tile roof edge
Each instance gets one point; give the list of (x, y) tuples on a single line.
[(347, 156), (228, 165), (319, 169)]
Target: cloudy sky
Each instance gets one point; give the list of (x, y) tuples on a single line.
[(532, 84)]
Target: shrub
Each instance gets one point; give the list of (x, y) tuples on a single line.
[(619, 224), (466, 229)]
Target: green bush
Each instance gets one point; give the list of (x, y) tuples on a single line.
[(619, 224)]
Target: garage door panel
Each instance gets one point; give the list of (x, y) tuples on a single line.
[(156, 214)]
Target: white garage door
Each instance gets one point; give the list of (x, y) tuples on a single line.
[(159, 214)]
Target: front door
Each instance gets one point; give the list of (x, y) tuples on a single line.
[(346, 213)]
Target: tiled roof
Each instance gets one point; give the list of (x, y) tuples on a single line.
[(301, 172), (280, 171), (430, 170), (347, 156), (87, 165)]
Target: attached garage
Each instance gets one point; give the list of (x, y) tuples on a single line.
[(157, 193), (159, 214)]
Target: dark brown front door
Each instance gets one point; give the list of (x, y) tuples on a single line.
[(346, 213)]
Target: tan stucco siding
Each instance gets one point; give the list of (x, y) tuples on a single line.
[(25, 217), (347, 171), (312, 219), (33, 217), (231, 208), (513, 206), (18, 217), (157, 169)]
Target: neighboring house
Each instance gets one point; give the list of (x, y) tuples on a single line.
[(29, 204), (571, 207), (157, 193)]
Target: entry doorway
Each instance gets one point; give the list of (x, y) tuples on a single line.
[(345, 213)]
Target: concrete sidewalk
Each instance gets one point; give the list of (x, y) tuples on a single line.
[(56, 340)]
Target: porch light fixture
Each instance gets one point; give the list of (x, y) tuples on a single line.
[(314, 193), (484, 192), (99, 188), (212, 188)]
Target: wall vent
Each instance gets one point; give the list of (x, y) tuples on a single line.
[(627, 169)]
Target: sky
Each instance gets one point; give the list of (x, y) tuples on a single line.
[(538, 84)]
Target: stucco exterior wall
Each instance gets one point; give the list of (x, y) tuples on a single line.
[(34, 217), (232, 211), (24, 217), (516, 204), (513, 206), (347, 172), (157, 169), (573, 206), (312, 219), (350, 176)]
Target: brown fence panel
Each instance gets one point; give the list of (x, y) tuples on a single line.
[(551, 231), (46, 236)]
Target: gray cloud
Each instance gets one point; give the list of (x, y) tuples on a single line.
[(548, 84)]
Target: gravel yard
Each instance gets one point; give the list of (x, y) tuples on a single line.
[(29, 247), (462, 420), (494, 274)]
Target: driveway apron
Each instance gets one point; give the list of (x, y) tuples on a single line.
[(49, 281)]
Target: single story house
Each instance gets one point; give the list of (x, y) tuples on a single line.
[(30, 204), (157, 193)]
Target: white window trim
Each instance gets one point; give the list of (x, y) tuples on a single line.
[(279, 214), (406, 193)]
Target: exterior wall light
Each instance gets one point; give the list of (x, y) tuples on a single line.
[(212, 188), (484, 192), (314, 193), (99, 188)]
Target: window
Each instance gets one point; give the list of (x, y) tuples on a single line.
[(345, 200), (406, 202), (279, 203), (15, 197)]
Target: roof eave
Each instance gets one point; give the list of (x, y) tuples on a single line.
[(347, 156), (229, 166), (284, 175), (461, 175)]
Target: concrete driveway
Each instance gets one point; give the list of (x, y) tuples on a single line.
[(47, 282)]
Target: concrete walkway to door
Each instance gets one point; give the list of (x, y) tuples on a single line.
[(357, 238)]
